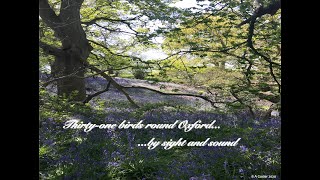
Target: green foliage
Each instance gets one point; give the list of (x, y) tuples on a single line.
[(137, 169), (206, 50), (139, 73)]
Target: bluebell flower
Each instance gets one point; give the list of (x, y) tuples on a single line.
[(241, 170), (243, 148)]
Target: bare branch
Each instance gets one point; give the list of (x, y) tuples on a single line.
[(204, 50), (77, 71), (119, 55), (89, 97), (114, 83), (175, 94), (108, 19), (271, 9), (114, 30), (250, 45), (241, 102), (63, 77)]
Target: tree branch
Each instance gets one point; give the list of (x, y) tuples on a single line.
[(119, 55), (271, 9), (241, 102), (248, 69), (63, 77), (250, 45), (114, 83), (108, 19), (50, 18), (48, 15), (89, 97), (114, 30), (205, 50), (175, 94), (79, 70)]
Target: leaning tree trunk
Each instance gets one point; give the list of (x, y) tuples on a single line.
[(75, 47)]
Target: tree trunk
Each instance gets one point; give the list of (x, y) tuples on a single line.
[(75, 47), (72, 87)]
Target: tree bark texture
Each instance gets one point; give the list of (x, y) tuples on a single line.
[(75, 46)]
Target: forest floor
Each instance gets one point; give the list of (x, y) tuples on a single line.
[(114, 154)]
